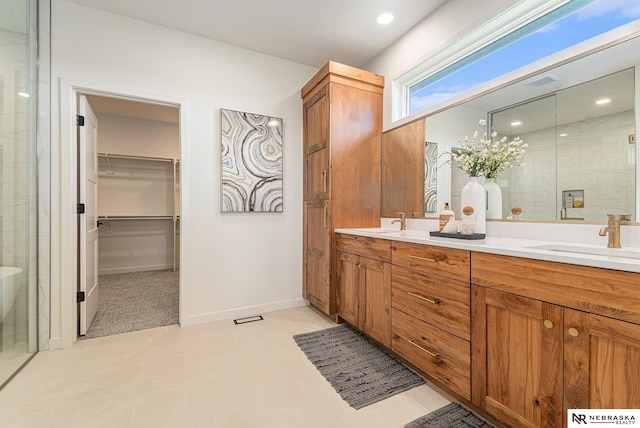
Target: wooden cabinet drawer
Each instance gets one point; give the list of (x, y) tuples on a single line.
[(378, 249), (441, 355), (606, 292), (440, 301), (448, 262)]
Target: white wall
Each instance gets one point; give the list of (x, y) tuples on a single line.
[(138, 137), (232, 264)]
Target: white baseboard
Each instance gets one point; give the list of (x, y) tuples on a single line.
[(134, 269), (240, 312), (55, 343)]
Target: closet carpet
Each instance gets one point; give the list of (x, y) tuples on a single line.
[(135, 301)]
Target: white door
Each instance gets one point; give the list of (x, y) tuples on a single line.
[(88, 222)]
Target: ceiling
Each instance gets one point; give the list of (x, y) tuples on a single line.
[(309, 32), (135, 109)]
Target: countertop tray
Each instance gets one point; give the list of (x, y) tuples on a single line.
[(458, 235)]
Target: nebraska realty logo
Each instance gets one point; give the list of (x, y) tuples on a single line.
[(602, 417)]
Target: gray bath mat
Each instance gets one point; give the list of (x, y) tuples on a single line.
[(450, 416), (358, 369)]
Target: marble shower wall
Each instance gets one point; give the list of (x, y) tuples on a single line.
[(595, 157)]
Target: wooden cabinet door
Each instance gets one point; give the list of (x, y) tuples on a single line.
[(316, 147), (602, 362), (517, 358), (348, 278), (375, 312), (316, 122), (317, 254), (317, 176)]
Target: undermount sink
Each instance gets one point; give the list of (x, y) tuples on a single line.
[(593, 251)]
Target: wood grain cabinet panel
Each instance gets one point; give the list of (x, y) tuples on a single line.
[(404, 160), (317, 254), (442, 356), (431, 312), (317, 175), (517, 358), (364, 295), (377, 249), (342, 132), (602, 362), (540, 344), (606, 292), (441, 301), (438, 260)]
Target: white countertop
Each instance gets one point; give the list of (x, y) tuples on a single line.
[(626, 259)]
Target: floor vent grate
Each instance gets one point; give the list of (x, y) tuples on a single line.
[(248, 319)]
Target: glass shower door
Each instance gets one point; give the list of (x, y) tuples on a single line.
[(18, 231)]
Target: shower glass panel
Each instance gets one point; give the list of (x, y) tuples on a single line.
[(18, 231)]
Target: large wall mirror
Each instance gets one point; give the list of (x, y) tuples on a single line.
[(581, 160)]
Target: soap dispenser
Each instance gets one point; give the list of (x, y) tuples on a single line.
[(445, 215)]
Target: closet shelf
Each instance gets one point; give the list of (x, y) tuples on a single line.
[(144, 158), (146, 217)]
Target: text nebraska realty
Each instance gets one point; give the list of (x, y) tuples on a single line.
[(604, 419)]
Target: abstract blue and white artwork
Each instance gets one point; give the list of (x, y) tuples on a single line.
[(251, 162)]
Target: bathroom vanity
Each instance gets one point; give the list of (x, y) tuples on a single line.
[(523, 330)]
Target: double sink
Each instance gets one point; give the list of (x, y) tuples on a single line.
[(567, 249)]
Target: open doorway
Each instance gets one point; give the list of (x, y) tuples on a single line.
[(129, 277)]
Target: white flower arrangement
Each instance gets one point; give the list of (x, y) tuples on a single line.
[(488, 157)]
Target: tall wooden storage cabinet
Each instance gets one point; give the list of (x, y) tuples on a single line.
[(342, 169)]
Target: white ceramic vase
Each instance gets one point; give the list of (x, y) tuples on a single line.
[(474, 195), (494, 198)]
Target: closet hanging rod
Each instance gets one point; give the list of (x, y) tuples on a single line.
[(145, 158), (151, 217)]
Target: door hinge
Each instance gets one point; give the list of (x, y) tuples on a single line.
[(80, 297), (79, 208), (80, 120)]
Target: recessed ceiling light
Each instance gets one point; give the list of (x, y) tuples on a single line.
[(603, 101), (23, 94), (384, 18), (516, 123), (563, 135)]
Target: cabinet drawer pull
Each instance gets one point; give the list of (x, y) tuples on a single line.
[(426, 299), (434, 355), (424, 259), (324, 180)]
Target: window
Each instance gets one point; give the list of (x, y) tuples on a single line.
[(520, 36)]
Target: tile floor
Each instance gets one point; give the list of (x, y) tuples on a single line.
[(212, 375)]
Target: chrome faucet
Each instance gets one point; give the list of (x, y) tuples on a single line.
[(402, 220), (613, 229)]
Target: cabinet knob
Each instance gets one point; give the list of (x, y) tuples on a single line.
[(548, 323), (574, 332)]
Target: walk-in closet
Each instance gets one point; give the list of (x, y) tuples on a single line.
[(138, 216)]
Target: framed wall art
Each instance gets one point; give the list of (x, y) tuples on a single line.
[(251, 162)]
